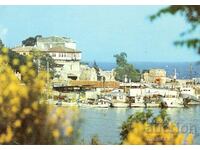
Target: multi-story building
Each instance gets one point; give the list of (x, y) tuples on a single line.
[(55, 41), (62, 50), (155, 76)]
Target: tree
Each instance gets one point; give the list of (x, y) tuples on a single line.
[(124, 69), (31, 41), (97, 69), (1, 44), (25, 117), (191, 13), (13, 56), (40, 60)]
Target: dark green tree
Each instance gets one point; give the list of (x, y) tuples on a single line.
[(97, 69), (124, 69), (191, 13), (31, 41), (40, 60), (1, 44)]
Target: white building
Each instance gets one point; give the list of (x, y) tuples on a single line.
[(55, 41), (62, 50), (155, 76), (68, 62)]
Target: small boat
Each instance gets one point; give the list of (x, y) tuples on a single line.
[(120, 105), (103, 103), (172, 102), (153, 105), (100, 103)]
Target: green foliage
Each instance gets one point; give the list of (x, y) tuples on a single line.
[(95, 140), (13, 55), (97, 69), (1, 44), (124, 69), (143, 117), (191, 13), (43, 58)]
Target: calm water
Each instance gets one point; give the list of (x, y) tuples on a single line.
[(106, 122)]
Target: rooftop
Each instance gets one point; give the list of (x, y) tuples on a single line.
[(63, 50), (26, 48), (56, 39)]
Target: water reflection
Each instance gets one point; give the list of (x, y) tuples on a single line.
[(106, 122)]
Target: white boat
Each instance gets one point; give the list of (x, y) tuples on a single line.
[(120, 105), (153, 105), (139, 102), (101, 103), (172, 102), (188, 93)]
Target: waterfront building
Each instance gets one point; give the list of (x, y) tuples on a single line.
[(157, 76), (68, 62)]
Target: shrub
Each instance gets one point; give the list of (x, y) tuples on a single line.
[(25, 117), (144, 128)]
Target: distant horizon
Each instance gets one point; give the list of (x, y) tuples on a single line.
[(145, 62), (101, 34)]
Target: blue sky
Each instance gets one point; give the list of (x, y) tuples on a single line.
[(100, 31)]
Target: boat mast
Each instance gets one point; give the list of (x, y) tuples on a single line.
[(190, 71), (174, 78)]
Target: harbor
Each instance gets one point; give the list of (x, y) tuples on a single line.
[(177, 93)]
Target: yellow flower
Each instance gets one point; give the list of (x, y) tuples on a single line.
[(2, 138), (4, 50), (35, 105), (179, 139), (14, 109), (27, 111), (159, 120), (69, 131), (55, 133), (23, 69), (23, 92), (17, 123), (31, 72), (29, 64), (189, 139), (29, 130), (1, 100), (59, 111), (15, 62), (9, 135), (14, 101)]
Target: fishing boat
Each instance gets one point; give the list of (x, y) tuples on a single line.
[(172, 99), (189, 95), (99, 103), (119, 105)]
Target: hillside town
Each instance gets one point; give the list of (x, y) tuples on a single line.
[(77, 84)]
